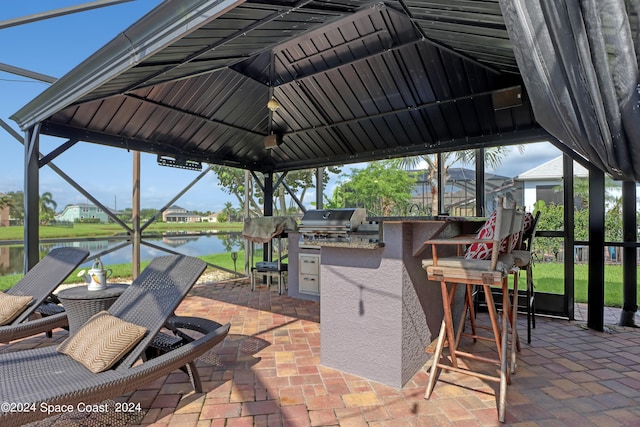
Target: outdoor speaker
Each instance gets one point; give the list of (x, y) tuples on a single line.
[(507, 98)]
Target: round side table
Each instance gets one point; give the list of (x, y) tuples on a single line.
[(80, 303)]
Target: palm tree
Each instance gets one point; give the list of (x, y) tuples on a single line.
[(492, 156), (5, 201), (228, 210), (47, 206)]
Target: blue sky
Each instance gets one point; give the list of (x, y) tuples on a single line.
[(53, 47)]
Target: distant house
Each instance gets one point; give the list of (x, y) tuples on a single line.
[(544, 182), (178, 214), (211, 218), (82, 211)]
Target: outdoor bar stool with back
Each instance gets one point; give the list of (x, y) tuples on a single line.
[(523, 259), (492, 272)]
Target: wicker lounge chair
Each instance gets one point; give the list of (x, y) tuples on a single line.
[(45, 376), (39, 283)]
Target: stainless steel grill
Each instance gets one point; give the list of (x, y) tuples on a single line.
[(331, 223)]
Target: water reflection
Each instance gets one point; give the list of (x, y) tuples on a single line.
[(12, 257)]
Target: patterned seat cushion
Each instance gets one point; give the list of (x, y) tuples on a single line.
[(102, 341), (11, 306), (483, 250)]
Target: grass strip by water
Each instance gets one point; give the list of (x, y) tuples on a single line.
[(106, 230), (124, 270)]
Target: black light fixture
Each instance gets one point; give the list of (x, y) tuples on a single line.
[(180, 162)]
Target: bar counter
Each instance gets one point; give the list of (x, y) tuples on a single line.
[(378, 311)]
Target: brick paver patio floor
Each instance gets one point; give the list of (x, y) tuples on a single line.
[(268, 373)]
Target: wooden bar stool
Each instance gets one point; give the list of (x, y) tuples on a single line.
[(454, 272)]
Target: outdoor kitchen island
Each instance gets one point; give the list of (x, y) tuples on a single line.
[(377, 311)]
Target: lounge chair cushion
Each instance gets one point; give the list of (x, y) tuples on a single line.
[(102, 341), (11, 306)]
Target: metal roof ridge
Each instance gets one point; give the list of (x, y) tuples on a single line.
[(155, 30), (551, 169)]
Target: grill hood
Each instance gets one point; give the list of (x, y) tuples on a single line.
[(340, 220)]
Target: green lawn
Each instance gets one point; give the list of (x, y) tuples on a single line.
[(549, 277)]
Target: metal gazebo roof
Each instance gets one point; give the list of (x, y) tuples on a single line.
[(354, 80)]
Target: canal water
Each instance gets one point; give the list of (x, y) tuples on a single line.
[(12, 256)]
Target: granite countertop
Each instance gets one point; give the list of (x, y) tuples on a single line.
[(401, 218), (382, 219), (351, 245)]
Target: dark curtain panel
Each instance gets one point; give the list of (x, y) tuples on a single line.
[(579, 63)]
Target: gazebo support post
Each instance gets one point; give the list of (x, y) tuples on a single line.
[(319, 187), (268, 208), (595, 292), (629, 255), (248, 261), (480, 190), (135, 217), (440, 178), (569, 237), (31, 198)]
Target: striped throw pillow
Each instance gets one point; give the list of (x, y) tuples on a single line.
[(11, 306), (102, 341)]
